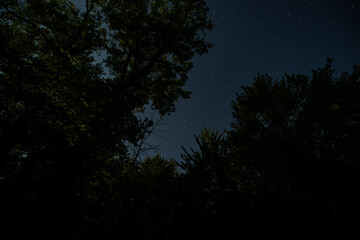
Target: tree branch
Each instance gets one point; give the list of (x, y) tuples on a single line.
[(141, 149), (34, 24)]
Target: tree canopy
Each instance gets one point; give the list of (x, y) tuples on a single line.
[(66, 117), (287, 168)]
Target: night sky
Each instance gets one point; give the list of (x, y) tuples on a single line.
[(259, 36)]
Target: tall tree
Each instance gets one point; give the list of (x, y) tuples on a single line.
[(211, 181), (290, 161), (300, 136), (62, 118)]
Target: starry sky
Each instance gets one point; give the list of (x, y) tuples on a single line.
[(258, 36)]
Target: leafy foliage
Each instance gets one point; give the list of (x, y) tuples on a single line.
[(64, 123), (290, 161), (288, 167)]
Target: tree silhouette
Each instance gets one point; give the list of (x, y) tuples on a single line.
[(301, 135), (64, 123), (288, 167), (290, 161)]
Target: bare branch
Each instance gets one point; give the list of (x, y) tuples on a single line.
[(143, 146)]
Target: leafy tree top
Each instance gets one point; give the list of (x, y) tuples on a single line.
[(51, 80)]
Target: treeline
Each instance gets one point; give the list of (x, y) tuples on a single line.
[(287, 168), (290, 165)]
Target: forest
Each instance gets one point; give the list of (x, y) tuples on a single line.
[(288, 168)]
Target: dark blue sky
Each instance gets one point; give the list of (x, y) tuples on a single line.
[(265, 36), (257, 36)]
